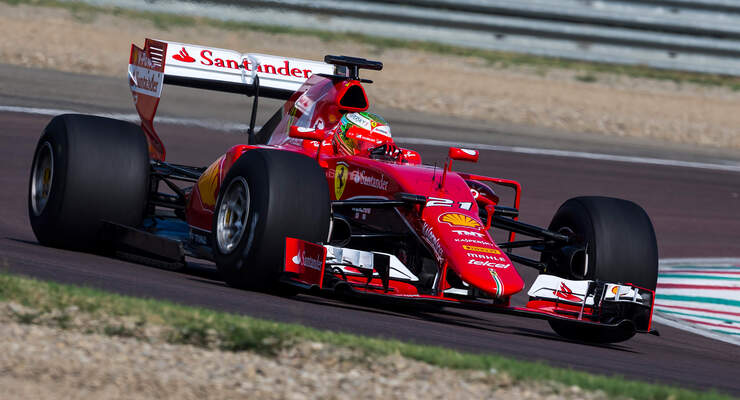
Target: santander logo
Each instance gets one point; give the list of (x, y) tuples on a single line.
[(183, 56), (301, 258), (223, 60)]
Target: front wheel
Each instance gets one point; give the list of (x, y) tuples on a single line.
[(267, 195), (620, 248)]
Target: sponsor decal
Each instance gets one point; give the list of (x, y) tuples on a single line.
[(456, 219), (467, 233), (142, 60), (499, 283), (362, 213), (183, 56), (481, 249), (476, 241), (359, 177), (304, 103), (565, 293), (359, 136), (341, 172), (146, 81), (384, 130), (475, 193), (489, 264), (433, 241), (302, 259), (207, 58), (487, 257), (145, 76), (359, 120)]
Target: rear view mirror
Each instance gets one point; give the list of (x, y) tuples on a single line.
[(463, 154), (307, 133)]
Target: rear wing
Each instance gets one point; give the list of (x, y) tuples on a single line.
[(162, 62)]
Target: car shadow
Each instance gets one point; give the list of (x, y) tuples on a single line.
[(449, 316), (205, 272)]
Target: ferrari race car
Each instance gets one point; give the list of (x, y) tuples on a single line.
[(321, 200)]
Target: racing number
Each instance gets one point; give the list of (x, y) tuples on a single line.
[(440, 202)]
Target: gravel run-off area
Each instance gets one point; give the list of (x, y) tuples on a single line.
[(67, 354), (556, 99)]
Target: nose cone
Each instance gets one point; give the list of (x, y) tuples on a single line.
[(490, 272), (455, 233), (462, 241)]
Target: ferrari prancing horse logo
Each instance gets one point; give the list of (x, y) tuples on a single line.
[(340, 179)]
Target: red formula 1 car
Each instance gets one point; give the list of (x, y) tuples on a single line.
[(321, 199)]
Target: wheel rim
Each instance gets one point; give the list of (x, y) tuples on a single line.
[(42, 177), (232, 215)]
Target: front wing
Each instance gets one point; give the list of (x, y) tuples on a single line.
[(320, 268)]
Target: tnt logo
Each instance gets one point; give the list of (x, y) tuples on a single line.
[(467, 233)]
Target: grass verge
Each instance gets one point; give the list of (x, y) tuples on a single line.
[(197, 326), (85, 12)]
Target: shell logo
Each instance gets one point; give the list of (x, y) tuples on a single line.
[(456, 219)]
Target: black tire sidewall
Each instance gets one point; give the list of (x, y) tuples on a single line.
[(233, 265), (621, 247), (101, 173), (620, 237), (47, 222), (289, 197)]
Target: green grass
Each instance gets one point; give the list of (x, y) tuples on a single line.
[(198, 326), (84, 12)]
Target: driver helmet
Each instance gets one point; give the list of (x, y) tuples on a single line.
[(357, 133)]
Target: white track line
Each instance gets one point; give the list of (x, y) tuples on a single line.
[(208, 124), (730, 166), (232, 126)]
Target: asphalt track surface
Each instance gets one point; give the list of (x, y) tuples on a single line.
[(696, 213)]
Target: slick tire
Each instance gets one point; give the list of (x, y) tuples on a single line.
[(621, 248), (267, 195), (86, 170)]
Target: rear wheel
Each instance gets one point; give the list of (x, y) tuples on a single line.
[(267, 195), (85, 170), (620, 248)]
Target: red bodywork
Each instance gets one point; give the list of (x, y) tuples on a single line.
[(449, 223)]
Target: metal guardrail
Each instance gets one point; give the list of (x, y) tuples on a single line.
[(687, 35)]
